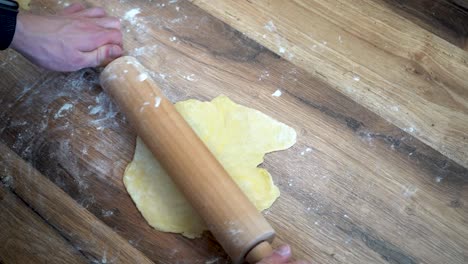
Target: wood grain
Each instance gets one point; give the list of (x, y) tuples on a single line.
[(354, 189), (89, 236), (447, 19), (25, 238), (396, 69)]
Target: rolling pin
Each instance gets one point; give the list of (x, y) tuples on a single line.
[(233, 220)]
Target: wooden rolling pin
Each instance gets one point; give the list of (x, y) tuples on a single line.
[(231, 217)]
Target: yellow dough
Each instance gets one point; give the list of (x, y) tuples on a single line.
[(238, 136), (24, 4)]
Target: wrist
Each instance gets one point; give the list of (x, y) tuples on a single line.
[(19, 33)]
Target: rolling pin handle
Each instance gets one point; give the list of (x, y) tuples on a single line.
[(259, 252)]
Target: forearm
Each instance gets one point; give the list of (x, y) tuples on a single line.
[(19, 35)]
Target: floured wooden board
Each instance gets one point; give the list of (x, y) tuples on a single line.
[(446, 19), (354, 188), (26, 238), (381, 60)]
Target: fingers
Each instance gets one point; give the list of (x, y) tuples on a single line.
[(73, 8), (101, 56), (94, 36), (94, 12), (107, 22), (98, 38), (110, 36), (281, 255)]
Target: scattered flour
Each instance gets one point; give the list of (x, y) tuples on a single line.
[(130, 15), (142, 77), (307, 150), (104, 257), (277, 93), (146, 50), (107, 213), (96, 109), (270, 26), (265, 74), (64, 3), (157, 101), (409, 191), (189, 77), (395, 108), (281, 42), (51, 137), (7, 180), (61, 112), (212, 261), (162, 76)]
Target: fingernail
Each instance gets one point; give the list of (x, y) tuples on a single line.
[(283, 251), (116, 51)]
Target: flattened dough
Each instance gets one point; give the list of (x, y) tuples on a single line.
[(24, 4), (238, 136)]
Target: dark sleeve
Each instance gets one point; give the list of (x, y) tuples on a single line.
[(7, 27)]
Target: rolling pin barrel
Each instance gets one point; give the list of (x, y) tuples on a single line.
[(231, 217)]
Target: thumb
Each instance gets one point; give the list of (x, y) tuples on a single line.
[(102, 55), (280, 255)]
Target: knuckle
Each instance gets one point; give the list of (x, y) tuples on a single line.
[(114, 35), (80, 23), (115, 21), (118, 34), (77, 60), (98, 10)]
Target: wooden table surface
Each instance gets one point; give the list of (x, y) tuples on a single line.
[(377, 91)]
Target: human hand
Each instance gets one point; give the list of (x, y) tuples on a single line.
[(74, 39), (281, 255)]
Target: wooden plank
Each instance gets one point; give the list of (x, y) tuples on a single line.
[(26, 238), (355, 188), (398, 70), (94, 240), (447, 19)]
